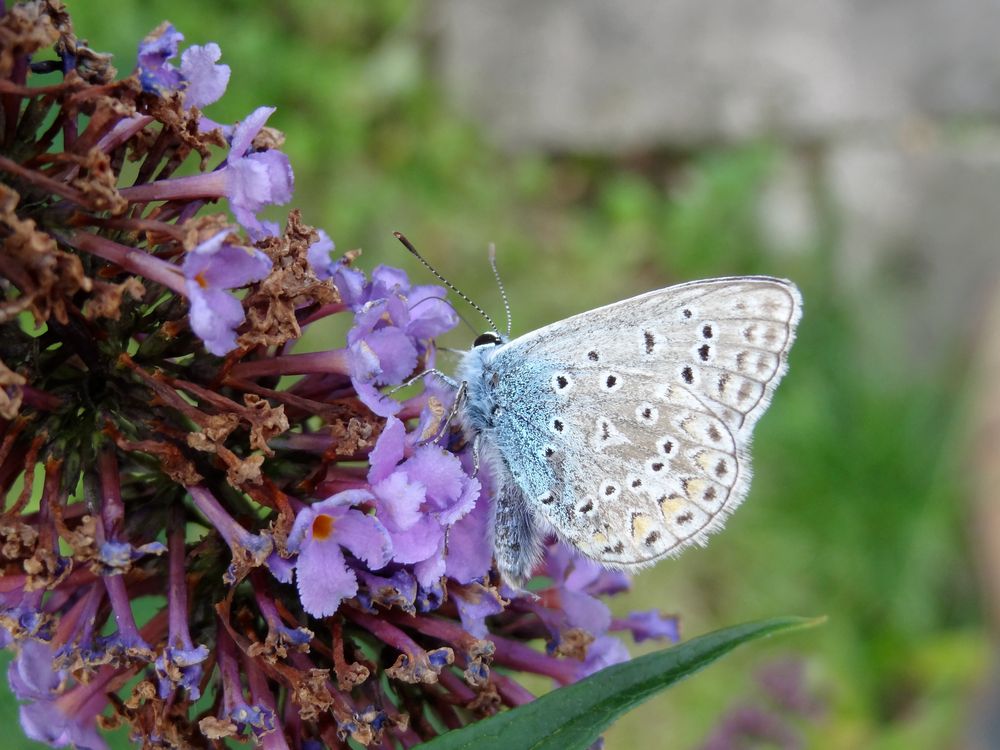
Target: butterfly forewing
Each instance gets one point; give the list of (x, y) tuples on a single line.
[(654, 399)]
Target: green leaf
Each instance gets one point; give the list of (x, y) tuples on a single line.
[(573, 717)]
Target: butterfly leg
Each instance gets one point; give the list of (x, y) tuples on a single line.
[(517, 540), (475, 455), (420, 375), (460, 397)]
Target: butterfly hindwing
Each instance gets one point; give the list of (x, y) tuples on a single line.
[(628, 427)]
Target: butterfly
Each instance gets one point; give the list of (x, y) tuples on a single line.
[(626, 430)]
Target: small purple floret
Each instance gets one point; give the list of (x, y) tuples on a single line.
[(116, 557), (418, 498), (211, 270), (258, 719), (650, 625), (319, 534), (156, 74), (393, 324), (256, 179), (187, 662), (31, 674)]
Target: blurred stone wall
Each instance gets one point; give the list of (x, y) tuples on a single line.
[(889, 112)]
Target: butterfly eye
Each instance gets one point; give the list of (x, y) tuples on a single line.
[(484, 339)]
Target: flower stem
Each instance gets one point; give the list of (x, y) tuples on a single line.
[(132, 260)]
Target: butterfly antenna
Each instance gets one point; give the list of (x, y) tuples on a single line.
[(409, 246), (503, 293)]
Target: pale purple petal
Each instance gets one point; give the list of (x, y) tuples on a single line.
[(609, 583), (324, 579), (603, 652), (399, 501), (464, 505), (475, 604), (44, 722), (418, 542), (215, 315), (255, 181), (246, 131), (281, 568), (320, 257), (388, 281), (351, 285), (380, 404), (582, 573), (365, 537), (585, 612), (440, 472), (430, 313), (430, 570), (31, 675), (650, 625), (397, 356), (206, 80), (388, 451), (469, 555), (364, 362)]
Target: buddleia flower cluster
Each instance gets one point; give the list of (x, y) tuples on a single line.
[(207, 535)]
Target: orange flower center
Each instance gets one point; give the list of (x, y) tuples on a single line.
[(322, 527), (200, 278)]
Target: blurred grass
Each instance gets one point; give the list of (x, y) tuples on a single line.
[(856, 509)]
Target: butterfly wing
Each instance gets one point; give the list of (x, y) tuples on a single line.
[(634, 420)]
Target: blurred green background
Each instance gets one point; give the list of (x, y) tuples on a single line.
[(859, 498)]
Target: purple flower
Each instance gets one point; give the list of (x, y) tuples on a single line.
[(469, 558), (69, 719), (258, 719), (250, 180), (156, 74), (211, 269), (603, 652), (398, 590), (574, 579), (31, 674), (117, 557), (475, 603), (45, 721), (393, 325), (649, 625), (320, 531), (418, 498), (180, 667), (258, 179), (200, 77)]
